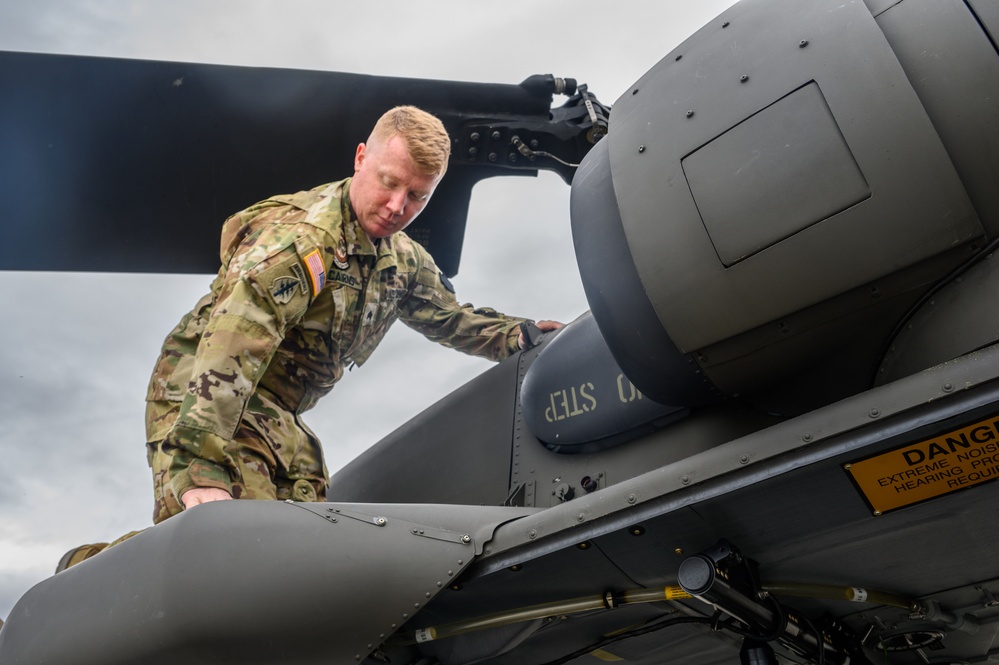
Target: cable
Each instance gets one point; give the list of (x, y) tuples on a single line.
[(944, 281), (530, 154), (633, 633)]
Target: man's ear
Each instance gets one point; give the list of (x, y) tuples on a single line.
[(359, 156)]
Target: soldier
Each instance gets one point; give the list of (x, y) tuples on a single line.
[(309, 284)]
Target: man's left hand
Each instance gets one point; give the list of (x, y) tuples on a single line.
[(543, 326)]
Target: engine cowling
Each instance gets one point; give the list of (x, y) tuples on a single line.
[(772, 198)]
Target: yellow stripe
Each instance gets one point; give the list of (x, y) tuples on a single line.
[(605, 656)]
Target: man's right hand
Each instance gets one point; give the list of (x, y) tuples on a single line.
[(199, 495)]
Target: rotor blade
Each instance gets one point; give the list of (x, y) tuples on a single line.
[(130, 165)]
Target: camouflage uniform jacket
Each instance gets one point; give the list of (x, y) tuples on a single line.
[(302, 293)]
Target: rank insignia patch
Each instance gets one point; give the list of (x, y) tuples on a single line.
[(317, 271), (283, 289)]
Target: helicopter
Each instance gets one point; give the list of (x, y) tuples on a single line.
[(771, 439)]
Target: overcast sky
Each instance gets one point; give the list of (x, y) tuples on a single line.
[(76, 349)]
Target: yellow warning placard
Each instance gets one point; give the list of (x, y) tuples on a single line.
[(928, 469)]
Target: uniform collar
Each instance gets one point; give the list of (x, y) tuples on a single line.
[(356, 240)]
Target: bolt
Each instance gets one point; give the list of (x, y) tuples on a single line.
[(632, 498), (381, 521), (641, 148), (474, 136), (678, 551), (743, 78), (580, 517), (948, 387), (744, 459), (874, 413), (473, 151), (690, 114), (466, 539), (512, 157), (495, 136), (493, 157), (685, 480), (806, 437), (532, 534), (803, 43)]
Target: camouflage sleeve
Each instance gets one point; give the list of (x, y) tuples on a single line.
[(433, 311), (252, 311)]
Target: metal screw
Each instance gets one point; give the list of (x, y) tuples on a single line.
[(948, 387), (743, 78), (580, 517), (495, 136), (874, 413), (532, 534), (641, 148), (632, 498), (381, 521), (512, 157), (744, 459), (474, 136), (473, 151), (678, 551), (690, 114), (803, 43), (685, 480), (466, 539), (806, 437), (493, 157)]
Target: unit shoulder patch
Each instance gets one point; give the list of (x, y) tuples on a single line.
[(283, 289)]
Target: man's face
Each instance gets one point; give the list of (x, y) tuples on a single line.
[(388, 190)]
